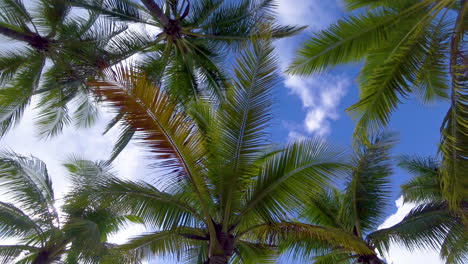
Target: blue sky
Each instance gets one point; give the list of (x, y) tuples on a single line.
[(312, 106)]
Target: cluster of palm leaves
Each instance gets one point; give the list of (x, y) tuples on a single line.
[(225, 193)]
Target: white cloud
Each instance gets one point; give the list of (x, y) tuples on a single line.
[(398, 254), (320, 96)]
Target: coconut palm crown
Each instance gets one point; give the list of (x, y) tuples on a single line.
[(41, 234), (195, 37), (360, 208), (222, 196), (51, 52)]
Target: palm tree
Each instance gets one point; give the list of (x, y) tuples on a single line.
[(41, 234), (425, 189), (356, 211), (54, 54), (360, 209), (222, 195), (195, 37), (408, 46)]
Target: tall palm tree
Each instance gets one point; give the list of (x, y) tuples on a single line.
[(425, 189), (195, 37), (360, 208), (222, 195), (41, 234), (53, 54), (408, 46)]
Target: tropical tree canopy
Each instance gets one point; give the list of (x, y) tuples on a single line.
[(408, 47), (360, 207), (223, 196), (195, 37), (425, 188), (40, 233), (52, 54)]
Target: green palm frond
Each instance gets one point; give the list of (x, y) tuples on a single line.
[(252, 253), (15, 97), (86, 113), (334, 257), (350, 40), (388, 74), (290, 233), (26, 181), (431, 79), (244, 117), (9, 253), (291, 177), (175, 242), (368, 188), (455, 126), (11, 62), (324, 208), (455, 247), (122, 10), (156, 208), (15, 223), (426, 226), (426, 183)]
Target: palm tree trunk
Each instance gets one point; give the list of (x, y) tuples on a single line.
[(20, 36), (157, 11)]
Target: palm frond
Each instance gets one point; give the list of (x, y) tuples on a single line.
[(291, 178), (86, 113), (430, 82), (175, 242), (386, 76), (26, 181), (11, 63), (323, 209), (156, 208), (168, 133), (9, 253), (368, 187), (123, 10), (426, 183), (455, 126), (455, 247), (252, 253), (350, 39), (15, 97), (244, 118), (290, 234), (14, 223), (426, 226)]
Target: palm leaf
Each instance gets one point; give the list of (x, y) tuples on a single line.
[(15, 223), (291, 177), (27, 182), (367, 190), (455, 126), (425, 185), (10, 252), (244, 118), (175, 242), (290, 233), (426, 226), (350, 39)]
